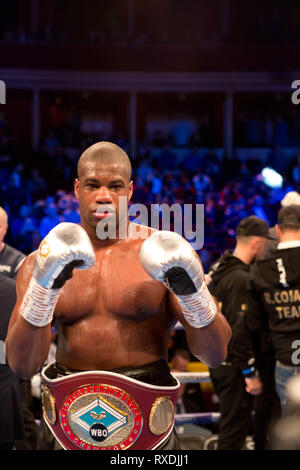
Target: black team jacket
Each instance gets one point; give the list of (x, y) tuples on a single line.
[(227, 281), (274, 302)]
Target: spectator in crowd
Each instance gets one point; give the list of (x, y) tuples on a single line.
[(19, 221), (145, 168), (202, 184), (51, 142), (71, 213), (167, 159), (156, 183), (28, 235), (50, 220), (190, 398), (16, 176), (193, 161), (182, 131), (36, 184)]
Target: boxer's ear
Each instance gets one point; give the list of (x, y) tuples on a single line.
[(130, 190), (76, 187)]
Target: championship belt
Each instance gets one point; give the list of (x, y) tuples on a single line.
[(99, 410)]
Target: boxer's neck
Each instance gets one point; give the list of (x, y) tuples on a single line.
[(99, 243)]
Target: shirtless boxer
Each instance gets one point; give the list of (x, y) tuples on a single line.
[(114, 313)]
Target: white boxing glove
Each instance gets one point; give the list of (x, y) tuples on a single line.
[(67, 246), (170, 259)]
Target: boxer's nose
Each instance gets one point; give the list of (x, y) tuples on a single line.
[(103, 196)]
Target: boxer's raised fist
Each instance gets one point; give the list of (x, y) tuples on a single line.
[(167, 255), (67, 246), (169, 258)]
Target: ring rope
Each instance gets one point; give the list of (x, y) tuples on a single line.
[(192, 377), (197, 418)]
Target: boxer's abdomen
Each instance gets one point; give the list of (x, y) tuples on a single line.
[(111, 343)]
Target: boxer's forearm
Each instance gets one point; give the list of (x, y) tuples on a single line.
[(209, 344), (27, 347)]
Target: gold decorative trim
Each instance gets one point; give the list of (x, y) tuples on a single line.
[(48, 402), (161, 415), (42, 253)]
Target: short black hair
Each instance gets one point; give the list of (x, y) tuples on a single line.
[(107, 153), (252, 226), (289, 218)]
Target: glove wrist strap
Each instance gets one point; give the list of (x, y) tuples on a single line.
[(199, 308), (38, 304)]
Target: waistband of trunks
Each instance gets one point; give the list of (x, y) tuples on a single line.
[(155, 373)]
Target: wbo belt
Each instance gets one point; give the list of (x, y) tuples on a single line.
[(101, 410)]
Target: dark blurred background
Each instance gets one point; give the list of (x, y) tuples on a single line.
[(197, 92)]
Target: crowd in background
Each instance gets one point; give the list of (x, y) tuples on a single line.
[(265, 129), (37, 189)]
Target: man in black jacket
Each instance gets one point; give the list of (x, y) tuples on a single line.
[(274, 298), (11, 413), (236, 381)]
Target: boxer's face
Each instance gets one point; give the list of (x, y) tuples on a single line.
[(99, 189), (3, 226)]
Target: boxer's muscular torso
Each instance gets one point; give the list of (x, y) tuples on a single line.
[(112, 315)]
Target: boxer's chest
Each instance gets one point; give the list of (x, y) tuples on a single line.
[(116, 286)]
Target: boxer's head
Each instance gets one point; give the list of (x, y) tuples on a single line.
[(3, 224), (104, 174), (105, 153)]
